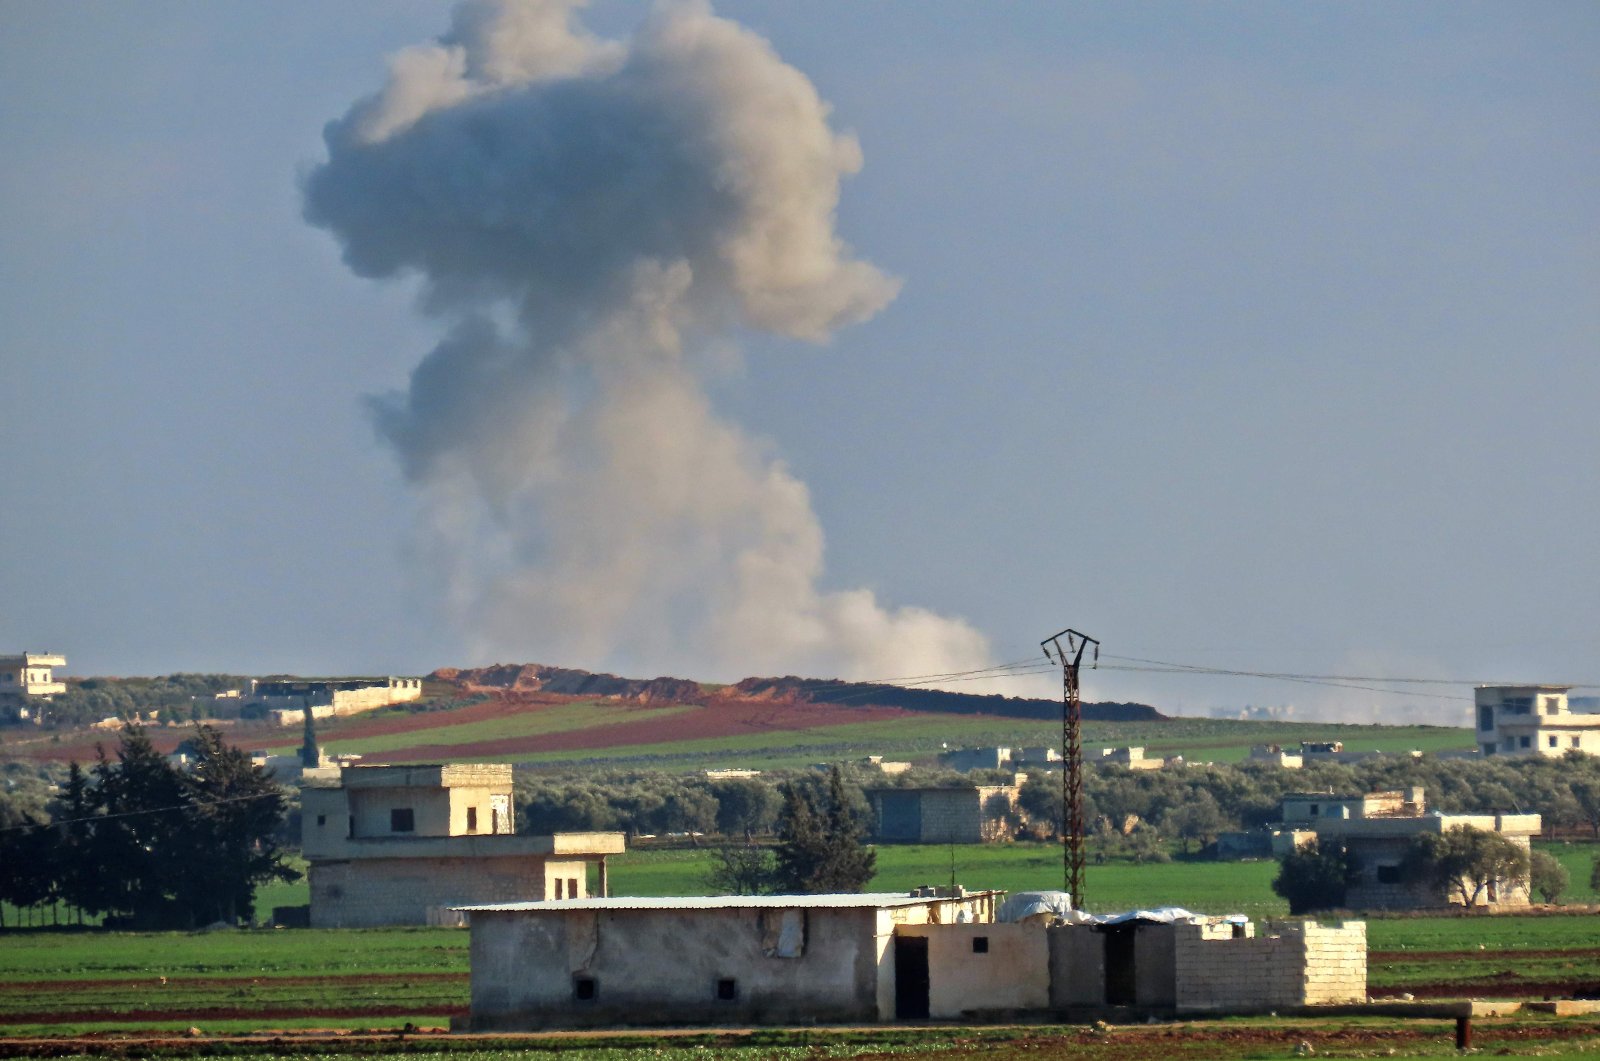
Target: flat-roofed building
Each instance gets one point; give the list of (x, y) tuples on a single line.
[(27, 682), (1378, 830), (952, 814), (1531, 720), (400, 845)]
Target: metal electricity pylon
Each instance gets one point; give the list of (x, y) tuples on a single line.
[(1071, 753)]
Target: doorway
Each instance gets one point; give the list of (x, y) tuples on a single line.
[(911, 977), (1122, 974)]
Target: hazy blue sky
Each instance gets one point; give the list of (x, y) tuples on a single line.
[(1244, 335)]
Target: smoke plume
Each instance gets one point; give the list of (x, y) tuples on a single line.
[(588, 218)]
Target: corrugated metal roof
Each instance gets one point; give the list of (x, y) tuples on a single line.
[(869, 900)]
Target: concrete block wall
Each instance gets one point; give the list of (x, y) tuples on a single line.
[(1077, 966), (1004, 974), (1286, 964), (364, 893), (951, 816)]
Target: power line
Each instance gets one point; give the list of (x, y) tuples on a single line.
[(136, 813)]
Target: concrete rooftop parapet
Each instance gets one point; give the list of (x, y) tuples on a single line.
[(476, 845), (1507, 824), (431, 775), (585, 843)]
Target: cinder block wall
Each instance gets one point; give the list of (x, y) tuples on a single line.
[(363, 893), (1286, 964)]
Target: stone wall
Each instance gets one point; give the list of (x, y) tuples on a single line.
[(1284, 965), (363, 893)]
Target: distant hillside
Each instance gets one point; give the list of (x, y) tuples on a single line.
[(564, 681), (832, 691)]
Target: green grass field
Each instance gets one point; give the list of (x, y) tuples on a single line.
[(1205, 887), (920, 736), (923, 737)]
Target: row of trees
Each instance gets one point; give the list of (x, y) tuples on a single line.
[(1134, 813), (139, 842)]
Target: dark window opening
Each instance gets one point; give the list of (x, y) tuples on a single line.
[(322, 819), (558, 889), (1486, 718), (583, 988), (1525, 741), (402, 820), (1238, 931), (980, 944), (472, 819), (727, 989), (1314, 810), (352, 832), (572, 887), (1388, 874)]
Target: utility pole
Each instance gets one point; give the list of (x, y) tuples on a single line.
[(1070, 657)]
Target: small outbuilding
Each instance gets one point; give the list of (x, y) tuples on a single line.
[(740, 959)]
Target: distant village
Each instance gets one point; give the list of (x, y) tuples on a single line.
[(441, 844)]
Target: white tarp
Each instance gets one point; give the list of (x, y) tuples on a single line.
[(1023, 905)]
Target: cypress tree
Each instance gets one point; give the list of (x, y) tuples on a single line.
[(310, 754)]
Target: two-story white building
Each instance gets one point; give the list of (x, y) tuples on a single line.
[(26, 681), (1533, 720)]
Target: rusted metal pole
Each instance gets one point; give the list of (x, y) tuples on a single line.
[(1072, 854)]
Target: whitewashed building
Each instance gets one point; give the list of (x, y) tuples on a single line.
[(1530, 720)]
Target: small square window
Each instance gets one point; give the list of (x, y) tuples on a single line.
[(727, 989), (322, 819), (1388, 874), (980, 944), (1527, 742), (583, 988), (1554, 742), (402, 820)]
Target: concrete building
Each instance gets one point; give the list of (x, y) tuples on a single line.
[(1378, 829), (26, 683), (1277, 755), (400, 845), (286, 702), (850, 958), (1534, 720), (948, 815), (1132, 758), (966, 760)]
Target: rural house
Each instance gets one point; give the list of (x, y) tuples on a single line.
[(286, 702), (1378, 829), (1530, 720), (943, 815), (400, 845), (26, 682), (842, 958)]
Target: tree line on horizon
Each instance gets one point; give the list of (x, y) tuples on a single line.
[(1136, 812)]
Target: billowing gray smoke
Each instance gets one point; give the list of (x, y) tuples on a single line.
[(589, 216)]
